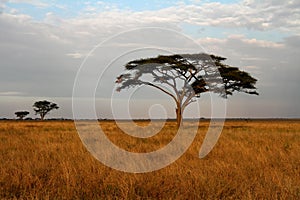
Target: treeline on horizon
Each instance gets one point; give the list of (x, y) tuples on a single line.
[(142, 119)]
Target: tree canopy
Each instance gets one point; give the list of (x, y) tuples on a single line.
[(44, 107), (185, 77), (21, 114)]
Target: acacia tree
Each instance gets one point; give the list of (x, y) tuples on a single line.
[(44, 107), (196, 73), (21, 114)]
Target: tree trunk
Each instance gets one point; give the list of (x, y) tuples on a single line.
[(178, 115)]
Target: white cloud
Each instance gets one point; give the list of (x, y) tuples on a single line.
[(36, 3), (252, 59), (76, 55), (256, 42), (253, 15), (2, 6), (251, 67), (19, 18), (11, 93)]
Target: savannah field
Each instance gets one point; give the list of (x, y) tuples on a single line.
[(255, 159)]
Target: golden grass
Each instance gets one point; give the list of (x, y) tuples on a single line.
[(252, 160)]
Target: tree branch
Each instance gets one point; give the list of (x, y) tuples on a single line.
[(188, 101), (161, 89)]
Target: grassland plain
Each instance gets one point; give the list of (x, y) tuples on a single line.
[(252, 160)]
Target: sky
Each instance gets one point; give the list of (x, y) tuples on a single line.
[(49, 47)]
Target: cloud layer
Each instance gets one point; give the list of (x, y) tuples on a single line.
[(41, 57)]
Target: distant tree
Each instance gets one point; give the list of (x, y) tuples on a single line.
[(21, 114), (198, 73), (44, 107)]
